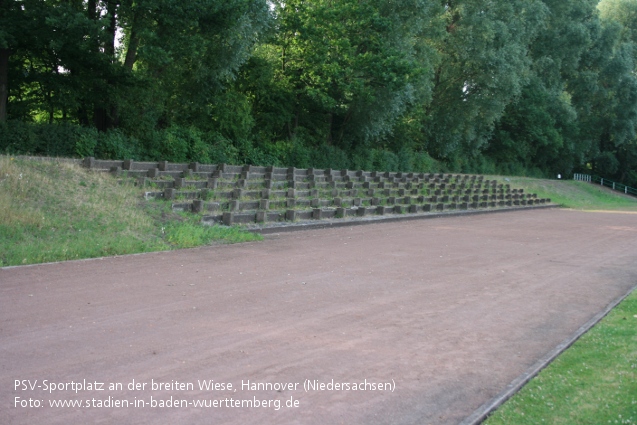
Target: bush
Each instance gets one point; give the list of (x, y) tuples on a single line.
[(114, 144), (17, 137)]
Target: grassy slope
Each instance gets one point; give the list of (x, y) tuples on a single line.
[(572, 194), (53, 211)]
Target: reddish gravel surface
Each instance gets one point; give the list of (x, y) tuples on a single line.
[(447, 311)]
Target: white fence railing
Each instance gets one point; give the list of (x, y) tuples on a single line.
[(605, 182)]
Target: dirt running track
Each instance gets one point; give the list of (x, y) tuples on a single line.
[(447, 311)]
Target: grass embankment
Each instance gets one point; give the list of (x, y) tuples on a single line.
[(573, 194), (54, 211)]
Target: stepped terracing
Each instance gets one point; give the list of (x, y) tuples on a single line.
[(271, 196)]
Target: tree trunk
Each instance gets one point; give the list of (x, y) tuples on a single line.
[(133, 43), (105, 115), (4, 83), (131, 53)]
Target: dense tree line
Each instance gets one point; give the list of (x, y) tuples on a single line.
[(519, 86)]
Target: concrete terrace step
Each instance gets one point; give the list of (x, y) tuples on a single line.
[(266, 196)]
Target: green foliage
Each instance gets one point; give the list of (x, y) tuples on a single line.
[(346, 69), (484, 65), (57, 140), (522, 86)]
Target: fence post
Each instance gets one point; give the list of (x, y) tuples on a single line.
[(602, 183)]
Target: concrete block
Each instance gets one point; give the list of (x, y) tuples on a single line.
[(261, 216), (361, 212), (237, 193), (228, 218), (234, 205), (180, 182), (290, 202), (88, 162), (357, 202), (341, 212), (440, 207), (290, 215), (413, 209), (213, 183), (275, 216), (128, 164), (169, 193), (197, 206), (317, 213), (264, 204), (398, 209), (291, 193)]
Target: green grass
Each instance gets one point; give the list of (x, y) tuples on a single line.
[(54, 211), (593, 382), (573, 194)]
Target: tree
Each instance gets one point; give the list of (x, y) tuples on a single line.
[(73, 63), (346, 70), (484, 66), (540, 129)]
